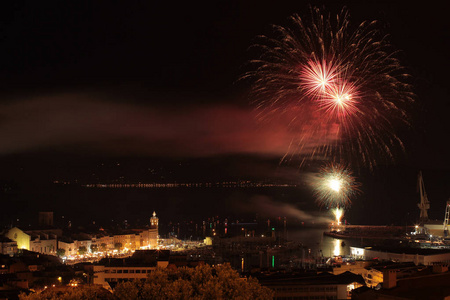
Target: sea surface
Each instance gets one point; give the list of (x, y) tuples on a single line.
[(83, 205), (319, 244)]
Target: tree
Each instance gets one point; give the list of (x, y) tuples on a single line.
[(202, 282), (83, 293), (82, 250), (128, 290), (118, 246), (103, 247), (61, 252), (94, 248)]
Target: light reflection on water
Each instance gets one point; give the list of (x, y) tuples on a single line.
[(337, 247), (320, 244)]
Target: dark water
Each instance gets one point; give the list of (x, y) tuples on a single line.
[(315, 248), (319, 244), (83, 205)]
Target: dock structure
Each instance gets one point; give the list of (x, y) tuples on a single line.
[(370, 232), (418, 256)]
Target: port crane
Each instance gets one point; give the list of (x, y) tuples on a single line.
[(446, 218), (424, 204)]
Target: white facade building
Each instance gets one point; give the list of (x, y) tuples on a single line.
[(143, 262), (418, 256)]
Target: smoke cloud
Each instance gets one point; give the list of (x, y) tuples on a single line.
[(81, 121), (267, 207)]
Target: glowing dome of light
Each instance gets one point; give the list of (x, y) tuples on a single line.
[(335, 185)]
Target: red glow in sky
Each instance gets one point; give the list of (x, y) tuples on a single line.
[(80, 121)]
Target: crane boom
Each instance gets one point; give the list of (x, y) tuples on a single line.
[(446, 218), (424, 204)]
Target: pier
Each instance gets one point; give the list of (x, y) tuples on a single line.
[(369, 231)]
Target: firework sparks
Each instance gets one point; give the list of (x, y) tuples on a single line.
[(340, 100), (350, 78), (317, 78), (338, 214), (334, 187)]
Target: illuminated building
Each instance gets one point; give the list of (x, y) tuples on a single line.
[(208, 241), (154, 221), (435, 228), (20, 237), (153, 231), (43, 243), (131, 239), (71, 245), (125, 240), (83, 244), (110, 271), (48, 240), (68, 246), (104, 242), (136, 239), (427, 283), (416, 255), (376, 274), (7, 246), (358, 267)]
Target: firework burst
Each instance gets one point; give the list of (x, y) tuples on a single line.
[(343, 90), (318, 78), (334, 187), (338, 214)]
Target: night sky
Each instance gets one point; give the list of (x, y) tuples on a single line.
[(155, 84)]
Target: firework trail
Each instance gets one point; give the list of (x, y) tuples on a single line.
[(343, 91), (338, 214), (334, 187)]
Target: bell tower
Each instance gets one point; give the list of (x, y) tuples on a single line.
[(153, 232), (154, 221)]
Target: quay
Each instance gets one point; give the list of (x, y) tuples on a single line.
[(369, 232)]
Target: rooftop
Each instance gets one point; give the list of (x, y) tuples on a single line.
[(431, 287), (407, 250), (143, 258), (311, 279), (4, 239)]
